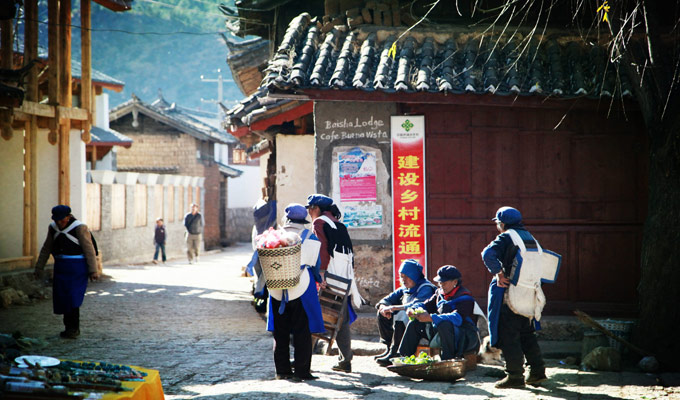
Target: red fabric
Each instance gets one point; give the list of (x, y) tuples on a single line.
[(317, 229), (452, 294)]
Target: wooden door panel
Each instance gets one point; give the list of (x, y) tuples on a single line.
[(604, 275)]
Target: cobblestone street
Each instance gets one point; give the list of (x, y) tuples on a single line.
[(195, 324)]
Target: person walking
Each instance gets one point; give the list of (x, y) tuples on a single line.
[(336, 247), (72, 245), (159, 240), (194, 223), (297, 310), (513, 333), (392, 317)]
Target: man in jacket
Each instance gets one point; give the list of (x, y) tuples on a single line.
[(70, 242), (448, 313), (514, 334), (193, 222), (392, 317)]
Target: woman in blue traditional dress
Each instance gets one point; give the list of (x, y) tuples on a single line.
[(75, 260), (296, 310)]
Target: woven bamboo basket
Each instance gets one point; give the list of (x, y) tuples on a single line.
[(447, 370), (281, 266)]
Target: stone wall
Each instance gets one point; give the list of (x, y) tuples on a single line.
[(135, 243), (239, 224), (158, 145), (341, 127)]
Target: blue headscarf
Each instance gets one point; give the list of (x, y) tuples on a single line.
[(413, 270)]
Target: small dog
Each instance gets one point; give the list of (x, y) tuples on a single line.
[(488, 354)]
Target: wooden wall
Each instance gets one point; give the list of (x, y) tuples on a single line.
[(581, 189)]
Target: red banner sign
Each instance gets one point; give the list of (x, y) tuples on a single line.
[(408, 192)]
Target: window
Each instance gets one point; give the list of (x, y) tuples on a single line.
[(239, 156)]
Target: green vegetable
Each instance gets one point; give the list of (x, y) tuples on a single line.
[(422, 358)]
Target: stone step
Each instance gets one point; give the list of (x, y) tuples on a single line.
[(560, 328)]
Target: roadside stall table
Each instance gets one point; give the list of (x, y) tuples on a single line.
[(70, 379)]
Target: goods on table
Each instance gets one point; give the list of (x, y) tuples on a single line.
[(279, 254), (64, 380)]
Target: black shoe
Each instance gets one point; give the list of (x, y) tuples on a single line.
[(343, 366), (508, 383), (70, 333), (284, 376), (387, 360), (308, 377), (536, 379), (383, 354)]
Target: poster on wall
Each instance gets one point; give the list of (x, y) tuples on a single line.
[(362, 216), (408, 191), (357, 169)]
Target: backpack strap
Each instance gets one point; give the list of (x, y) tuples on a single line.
[(66, 232), (329, 221)]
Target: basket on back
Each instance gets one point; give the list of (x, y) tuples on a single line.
[(281, 266)]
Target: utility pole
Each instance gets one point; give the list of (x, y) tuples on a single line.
[(220, 91)]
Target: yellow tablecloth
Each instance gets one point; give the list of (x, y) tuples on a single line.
[(150, 389)]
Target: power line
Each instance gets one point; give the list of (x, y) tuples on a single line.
[(137, 33)]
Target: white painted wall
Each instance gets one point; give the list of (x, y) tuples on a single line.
[(294, 170), (244, 191), (47, 184), (102, 115), (11, 196), (78, 192)]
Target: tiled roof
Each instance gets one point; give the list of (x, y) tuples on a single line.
[(454, 60), (175, 116), (102, 136), (247, 53), (253, 108), (228, 170)]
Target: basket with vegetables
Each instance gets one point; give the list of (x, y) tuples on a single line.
[(428, 368), (279, 253)]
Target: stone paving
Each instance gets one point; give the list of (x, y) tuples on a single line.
[(195, 324)]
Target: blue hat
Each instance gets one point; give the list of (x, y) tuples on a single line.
[(508, 216), (296, 211), (412, 269), (60, 212), (318, 200), (447, 273)]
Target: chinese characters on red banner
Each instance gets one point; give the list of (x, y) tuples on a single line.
[(408, 191)]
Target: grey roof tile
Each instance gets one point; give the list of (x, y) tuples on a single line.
[(449, 62), (108, 136)]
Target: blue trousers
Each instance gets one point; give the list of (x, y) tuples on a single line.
[(160, 246)]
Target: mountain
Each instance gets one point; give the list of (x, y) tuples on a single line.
[(159, 45)]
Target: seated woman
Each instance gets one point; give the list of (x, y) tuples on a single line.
[(449, 313), (392, 317)]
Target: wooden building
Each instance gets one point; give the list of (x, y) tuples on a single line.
[(544, 130), (46, 110)]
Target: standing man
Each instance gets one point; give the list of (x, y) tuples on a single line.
[(194, 223), (75, 259), (336, 246), (513, 333), (392, 317)]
